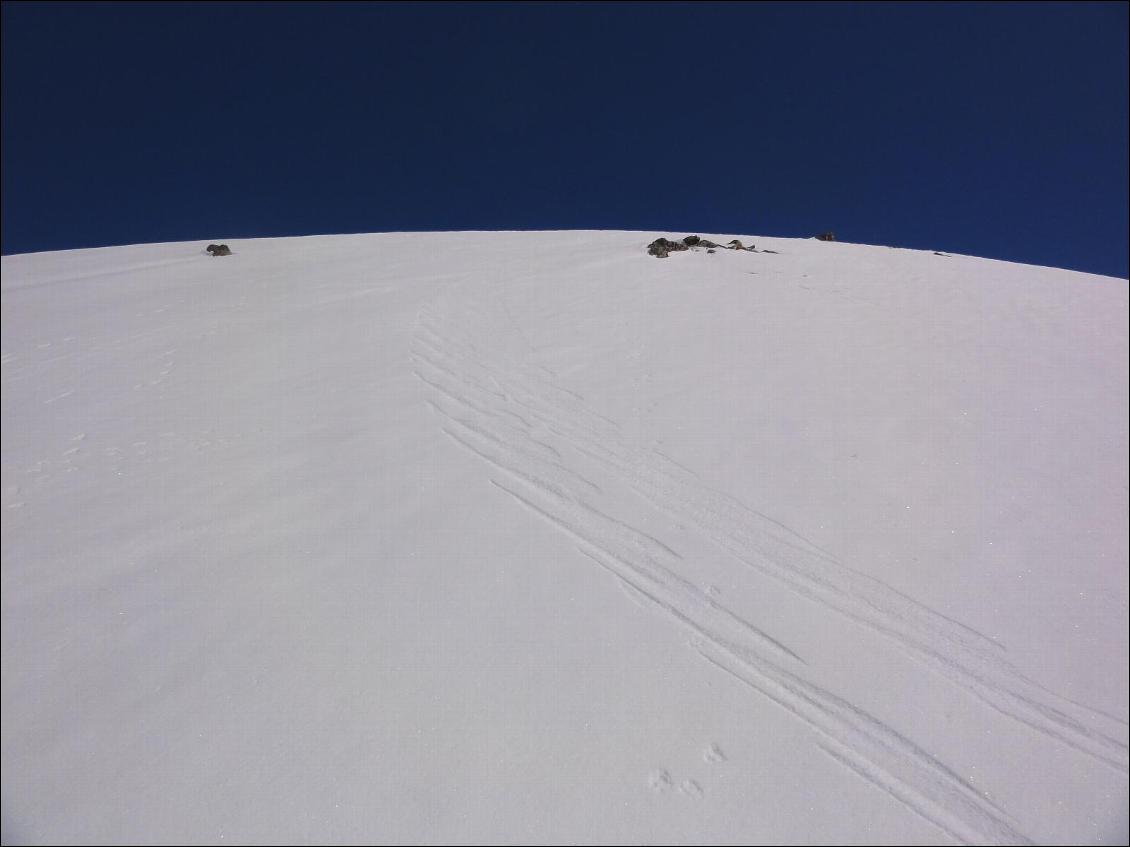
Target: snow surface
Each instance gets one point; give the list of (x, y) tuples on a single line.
[(510, 537)]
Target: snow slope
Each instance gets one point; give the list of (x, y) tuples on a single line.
[(510, 537)]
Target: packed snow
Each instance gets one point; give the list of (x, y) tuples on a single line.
[(533, 537)]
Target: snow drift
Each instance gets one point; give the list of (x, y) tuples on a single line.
[(510, 537)]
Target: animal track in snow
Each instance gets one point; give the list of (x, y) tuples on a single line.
[(659, 781), (713, 754), (690, 788)]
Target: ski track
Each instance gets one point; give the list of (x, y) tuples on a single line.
[(504, 413)]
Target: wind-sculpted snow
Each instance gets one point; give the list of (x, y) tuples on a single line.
[(525, 427)]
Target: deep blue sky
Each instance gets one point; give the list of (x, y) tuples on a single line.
[(995, 130)]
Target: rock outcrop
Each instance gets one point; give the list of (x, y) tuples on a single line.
[(218, 249), (661, 247)]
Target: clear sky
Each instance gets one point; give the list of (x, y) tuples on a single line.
[(998, 130)]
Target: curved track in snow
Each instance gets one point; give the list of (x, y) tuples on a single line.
[(530, 431)]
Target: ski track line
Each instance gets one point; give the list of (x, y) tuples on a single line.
[(643, 553), (601, 453), (967, 658), (646, 568), (534, 456), (632, 548), (864, 744)]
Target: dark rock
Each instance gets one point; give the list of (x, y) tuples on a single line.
[(826, 236), (218, 249), (660, 247)]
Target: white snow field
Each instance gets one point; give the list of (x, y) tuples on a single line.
[(533, 537)]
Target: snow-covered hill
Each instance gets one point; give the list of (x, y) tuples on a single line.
[(511, 537)]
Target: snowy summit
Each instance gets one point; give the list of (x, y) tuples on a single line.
[(530, 537)]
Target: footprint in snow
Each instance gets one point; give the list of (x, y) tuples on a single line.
[(691, 789), (713, 754), (659, 781)]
